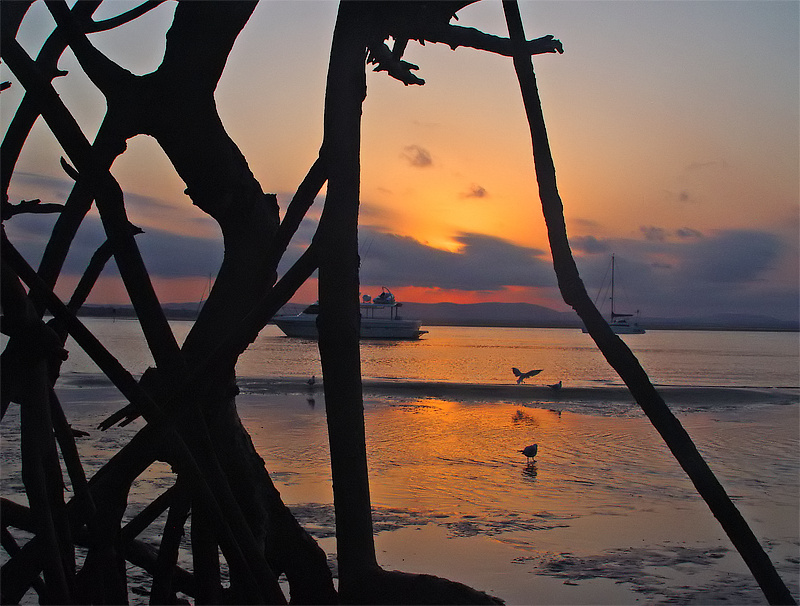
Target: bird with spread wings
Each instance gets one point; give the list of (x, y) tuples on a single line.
[(521, 376)]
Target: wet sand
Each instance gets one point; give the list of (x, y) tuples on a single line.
[(680, 395), (603, 517)]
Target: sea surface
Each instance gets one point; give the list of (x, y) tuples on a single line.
[(486, 356), (604, 515)]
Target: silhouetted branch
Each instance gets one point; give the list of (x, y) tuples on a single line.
[(110, 204), (161, 591), (615, 350), (106, 75), (32, 207), (298, 207), (13, 549), (145, 556), (456, 35), (388, 61), (22, 571), (93, 270), (147, 516), (236, 536), (338, 320), (123, 18), (205, 558), (69, 452), (41, 473), (28, 112)]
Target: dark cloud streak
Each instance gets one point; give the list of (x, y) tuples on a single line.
[(417, 156), (476, 191), (484, 263)]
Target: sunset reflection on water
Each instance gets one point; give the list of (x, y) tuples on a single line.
[(443, 470), (452, 494)]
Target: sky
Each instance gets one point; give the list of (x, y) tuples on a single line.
[(674, 127)]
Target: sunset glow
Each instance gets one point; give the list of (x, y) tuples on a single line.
[(673, 126)]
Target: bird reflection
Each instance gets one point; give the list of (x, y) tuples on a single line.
[(520, 416), (311, 402), (530, 471)]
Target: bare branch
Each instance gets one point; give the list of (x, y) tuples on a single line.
[(388, 61), (102, 71), (456, 35), (32, 207), (616, 352), (122, 19)]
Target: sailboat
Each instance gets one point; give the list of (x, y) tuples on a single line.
[(621, 324)]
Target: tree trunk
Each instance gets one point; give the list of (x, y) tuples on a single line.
[(338, 321), (619, 356)]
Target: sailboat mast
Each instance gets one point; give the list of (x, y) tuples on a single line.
[(612, 286)]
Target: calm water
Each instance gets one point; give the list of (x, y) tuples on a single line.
[(604, 516), (486, 355)]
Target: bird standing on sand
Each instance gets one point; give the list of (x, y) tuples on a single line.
[(521, 376), (555, 386), (311, 381), (530, 451)]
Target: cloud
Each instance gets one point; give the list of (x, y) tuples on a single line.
[(45, 187), (589, 244), (484, 263), (475, 191), (687, 233), (654, 234), (730, 271), (585, 223), (417, 156), (169, 255), (165, 254), (683, 273), (735, 256)]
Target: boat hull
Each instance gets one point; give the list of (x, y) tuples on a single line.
[(305, 327), (624, 329), (627, 330)]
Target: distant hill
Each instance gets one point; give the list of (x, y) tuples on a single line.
[(529, 315), (495, 314)]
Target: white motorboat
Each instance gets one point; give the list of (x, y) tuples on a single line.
[(621, 324), (379, 320)]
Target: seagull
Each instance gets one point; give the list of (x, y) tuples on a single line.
[(521, 376), (311, 381), (530, 451), (555, 386)]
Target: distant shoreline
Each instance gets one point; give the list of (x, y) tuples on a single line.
[(127, 313)]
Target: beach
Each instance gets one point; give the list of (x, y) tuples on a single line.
[(605, 515)]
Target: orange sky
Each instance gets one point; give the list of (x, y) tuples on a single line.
[(674, 128)]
